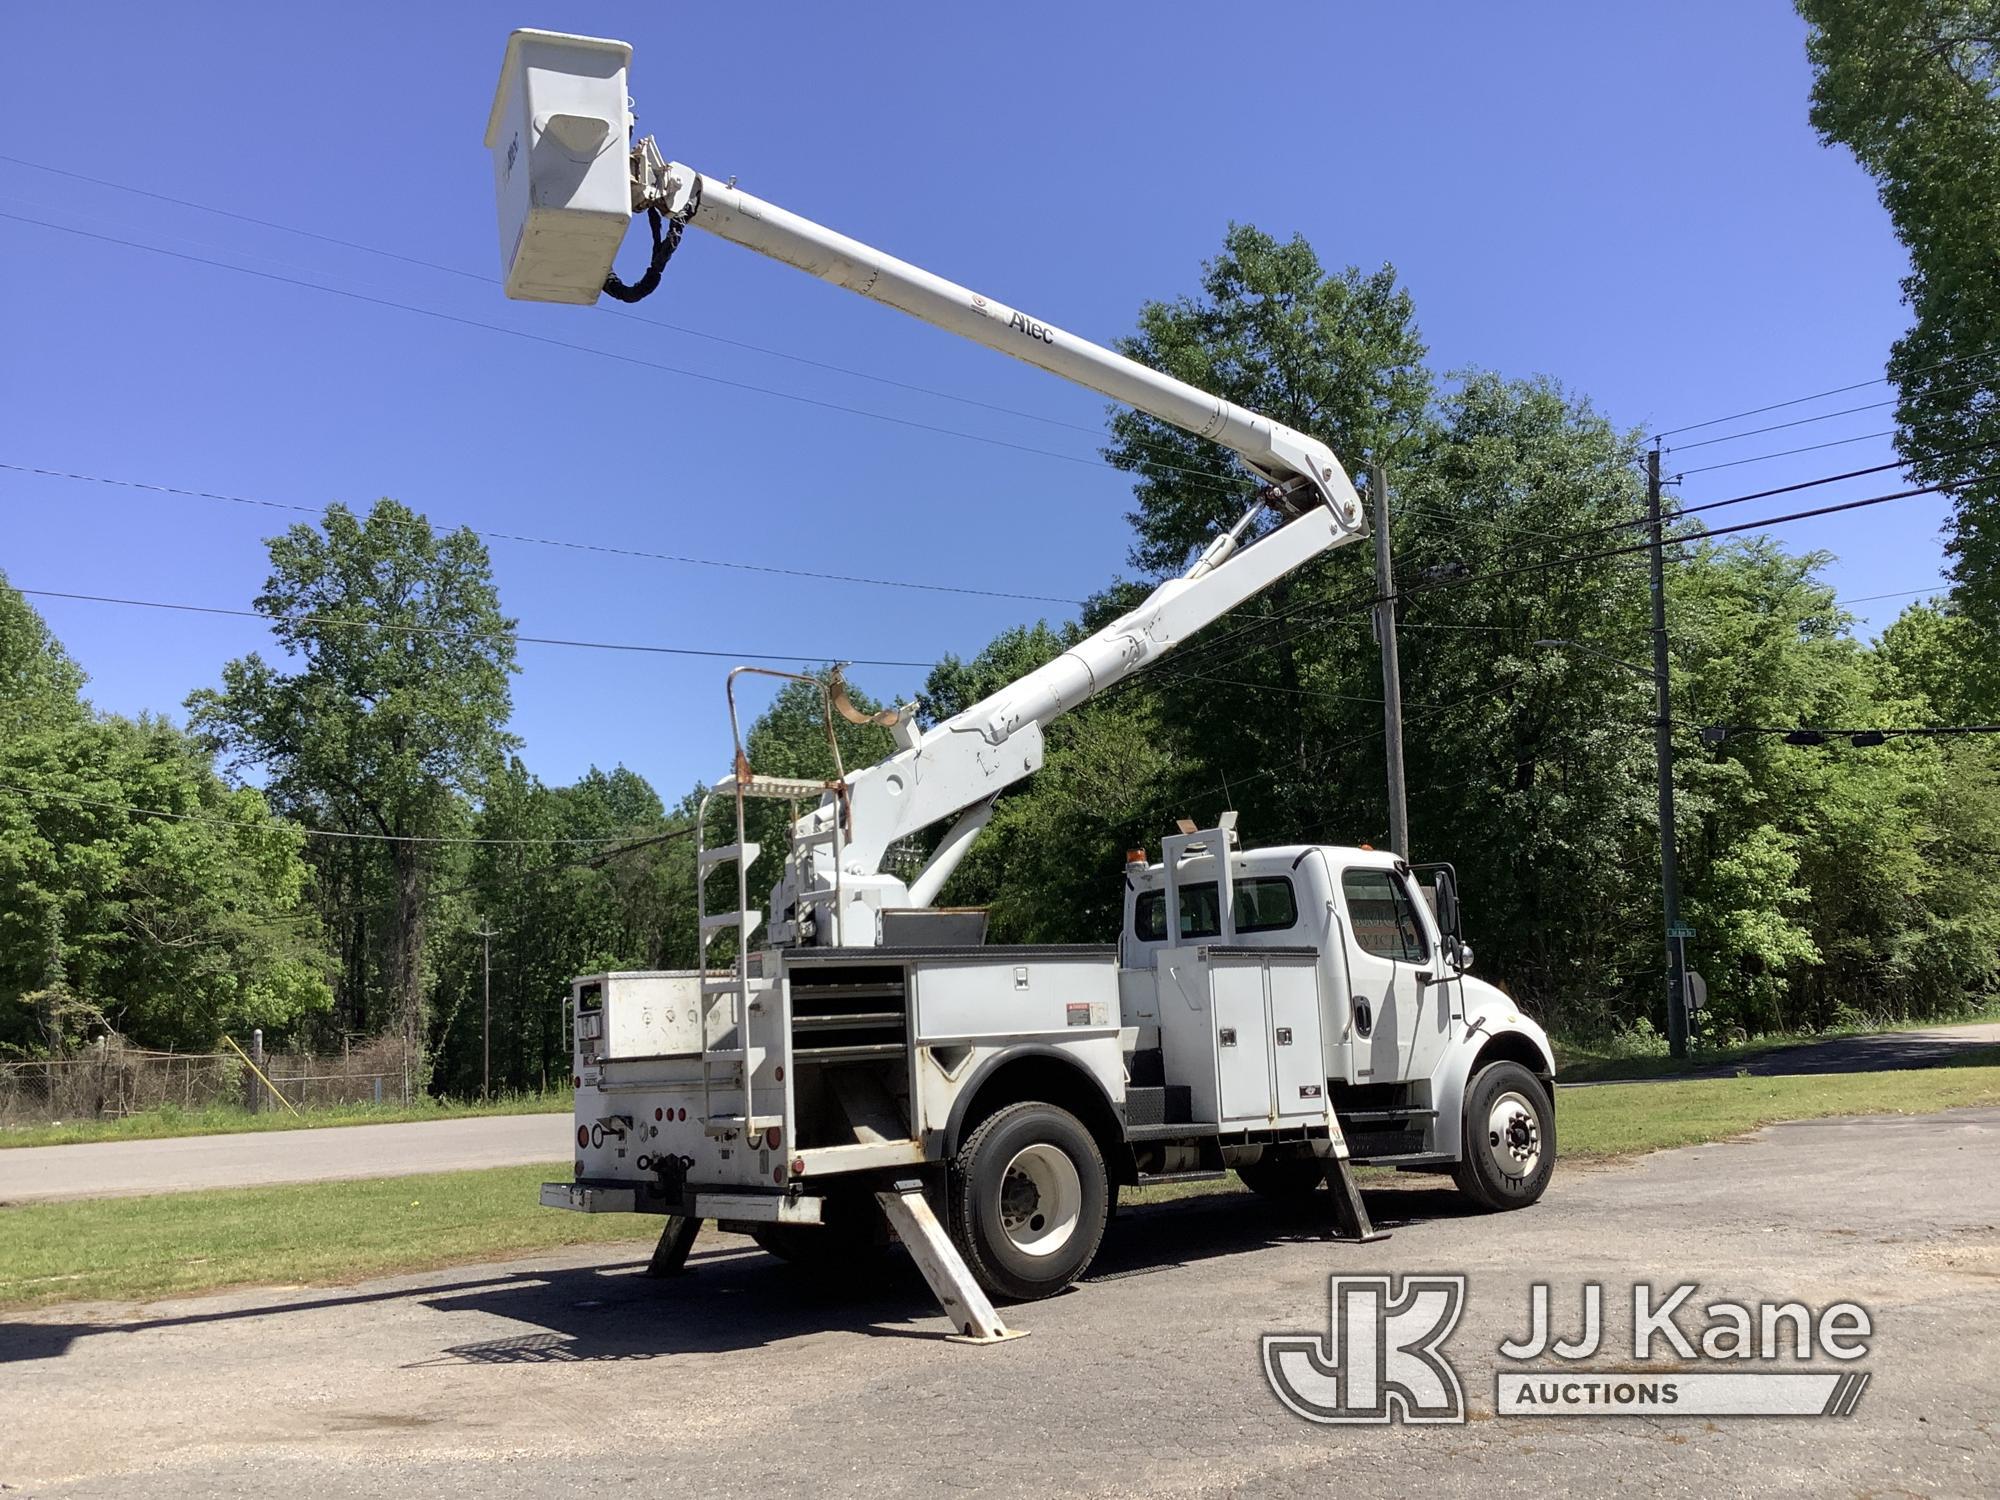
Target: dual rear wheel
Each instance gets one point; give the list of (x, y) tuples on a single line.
[(1026, 1201)]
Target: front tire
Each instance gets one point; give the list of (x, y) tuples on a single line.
[(1509, 1138), (1029, 1194)]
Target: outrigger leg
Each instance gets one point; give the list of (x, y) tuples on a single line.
[(676, 1239), (1350, 1214), (964, 1303)]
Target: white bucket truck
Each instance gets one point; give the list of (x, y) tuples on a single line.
[(852, 1058)]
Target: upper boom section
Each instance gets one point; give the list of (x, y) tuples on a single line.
[(567, 189), (1273, 450)]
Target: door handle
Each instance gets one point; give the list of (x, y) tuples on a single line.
[(1423, 976)]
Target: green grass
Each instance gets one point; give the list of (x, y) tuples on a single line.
[(154, 1124), (341, 1231), (1619, 1120), (315, 1233)]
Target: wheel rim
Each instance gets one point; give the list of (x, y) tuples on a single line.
[(1041, 1200), (1514, 1135)]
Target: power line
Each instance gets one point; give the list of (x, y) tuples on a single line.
[(444, 630), (1802, 515), (629, 359), (484, 280), (1828, 416), (543, 541), (1839, 390), (1846, 411), (620, 311), (1785, 453)]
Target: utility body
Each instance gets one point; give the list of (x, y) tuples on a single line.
[(846, 1045)]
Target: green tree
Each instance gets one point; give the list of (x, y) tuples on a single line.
[(39, 683), (392, 712), (1335, 355), (1912, 88), (556, 911), (140, 894)]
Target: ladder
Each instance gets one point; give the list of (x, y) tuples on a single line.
[(730, 997)]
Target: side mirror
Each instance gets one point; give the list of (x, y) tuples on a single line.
[(1461, 954), (1443, 893)]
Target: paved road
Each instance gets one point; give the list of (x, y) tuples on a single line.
[(119, 1168), (1934, 1047), (569, 1373), (1882, 1052)]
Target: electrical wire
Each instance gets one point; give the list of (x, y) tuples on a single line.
[(490, 281), (328, 621), (629, 359), (1991, 352), (1828, 416), (494, 281), (560, 542), (1785, 453)]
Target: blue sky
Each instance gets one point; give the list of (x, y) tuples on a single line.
[(1627, 198)]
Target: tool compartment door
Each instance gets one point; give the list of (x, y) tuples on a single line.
[(1242, 1037), (1297, 1067)]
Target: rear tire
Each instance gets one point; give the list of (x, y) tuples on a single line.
[(1284, 1178), (1029, 1195), (1509, 1138)]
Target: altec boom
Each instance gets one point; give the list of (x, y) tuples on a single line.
[(851, 1058)]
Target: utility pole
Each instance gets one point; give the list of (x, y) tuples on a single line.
[(1663, 752), (486, 936), (1392, 674)]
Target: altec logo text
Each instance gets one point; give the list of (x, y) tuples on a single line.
[(1382, 1358)]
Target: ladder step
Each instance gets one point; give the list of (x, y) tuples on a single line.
[(724, 919), (725, 853), (774, 786)]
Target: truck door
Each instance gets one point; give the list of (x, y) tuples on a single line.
[(1392, 965)]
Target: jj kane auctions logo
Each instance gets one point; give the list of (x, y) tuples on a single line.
[(1382, 1358)]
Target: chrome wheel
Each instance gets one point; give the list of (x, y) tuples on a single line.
[(1041, 1199), (1513, 1138)]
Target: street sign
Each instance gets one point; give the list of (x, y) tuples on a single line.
[(1697, 991), (1680, 932)]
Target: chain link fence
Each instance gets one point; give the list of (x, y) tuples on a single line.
[(113, 1079)]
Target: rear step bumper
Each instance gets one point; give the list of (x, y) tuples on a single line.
[(745, 1208)]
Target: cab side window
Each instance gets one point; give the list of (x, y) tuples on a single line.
[(1200, 915), (1385, 920), (1263, 904)]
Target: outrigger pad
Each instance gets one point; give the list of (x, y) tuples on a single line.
[(1350, 1214), (676, 1239)]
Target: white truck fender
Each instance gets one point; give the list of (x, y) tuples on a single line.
[(1494, 1029)]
